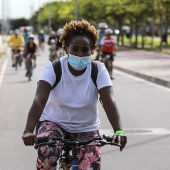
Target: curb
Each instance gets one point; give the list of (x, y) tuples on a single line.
[(146, 77)]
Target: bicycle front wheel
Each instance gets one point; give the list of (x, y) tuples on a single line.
[(16, 63), (30, 69)]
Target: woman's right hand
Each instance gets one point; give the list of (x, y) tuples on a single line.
[(29, 138)]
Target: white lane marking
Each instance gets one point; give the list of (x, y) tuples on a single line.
[(2, 72), (143, 80), (138, 131)]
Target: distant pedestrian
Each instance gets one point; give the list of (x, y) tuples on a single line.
[(26, 36), (41, 38)]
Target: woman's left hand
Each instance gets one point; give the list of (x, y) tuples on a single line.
[(121, 139)]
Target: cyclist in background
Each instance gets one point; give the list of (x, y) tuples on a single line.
[(51, 37), (41, 38), (101, 32), (30, 50), (16, 42), (108, 48), (26, 36)]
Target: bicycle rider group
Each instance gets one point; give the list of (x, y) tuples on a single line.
[(25, 47)]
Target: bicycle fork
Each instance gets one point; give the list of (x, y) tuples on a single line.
[(65, 160), (75, 159)]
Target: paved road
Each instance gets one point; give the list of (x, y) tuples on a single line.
[(144, 109), (149, 65)]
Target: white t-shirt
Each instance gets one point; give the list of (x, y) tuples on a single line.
[(72, 104)]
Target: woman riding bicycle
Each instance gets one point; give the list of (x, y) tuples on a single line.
[(69, 110), (30, 50), (108, 49)]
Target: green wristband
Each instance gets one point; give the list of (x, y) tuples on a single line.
[(120, 132)]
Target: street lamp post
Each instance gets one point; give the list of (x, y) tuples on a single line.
[(2, 25), (76, 10), (8, 17), (49, 16)]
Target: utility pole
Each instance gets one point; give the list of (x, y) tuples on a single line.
[(8, 17), (39, 16), (75, 10), (49, 16), (2, 26)]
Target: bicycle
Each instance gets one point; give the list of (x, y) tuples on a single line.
[(41, 45), (60, 52), (29, 67), (53, 54), (67, 161), (16, 59), (108, 61)]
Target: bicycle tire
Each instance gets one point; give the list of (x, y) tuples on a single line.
[(107, 65), (30, 69), (16, 63)]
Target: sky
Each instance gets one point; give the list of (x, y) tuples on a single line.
[(21, 8)]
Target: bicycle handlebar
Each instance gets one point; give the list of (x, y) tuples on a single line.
[(106, 140)]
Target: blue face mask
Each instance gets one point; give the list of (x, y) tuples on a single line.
[(78, 63)]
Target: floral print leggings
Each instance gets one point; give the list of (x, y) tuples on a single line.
[(48, 155)]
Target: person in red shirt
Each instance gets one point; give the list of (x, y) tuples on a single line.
[(108, 49)]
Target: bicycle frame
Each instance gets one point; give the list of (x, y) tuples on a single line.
[(30, 67)]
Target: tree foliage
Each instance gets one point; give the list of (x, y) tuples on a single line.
[(16, 23), (138, 14)]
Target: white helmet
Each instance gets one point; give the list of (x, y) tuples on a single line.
[(59, 31), (16, 32), (53, 32), (103, 25), (31, 36), (108, 31)]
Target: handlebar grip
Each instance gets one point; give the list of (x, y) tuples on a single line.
[(43, 139)]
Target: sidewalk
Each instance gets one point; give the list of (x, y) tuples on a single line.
[(152, 66), (3, 48)]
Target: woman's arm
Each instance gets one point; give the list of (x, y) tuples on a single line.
[(107, 99), (41, 97), (109, 105)]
